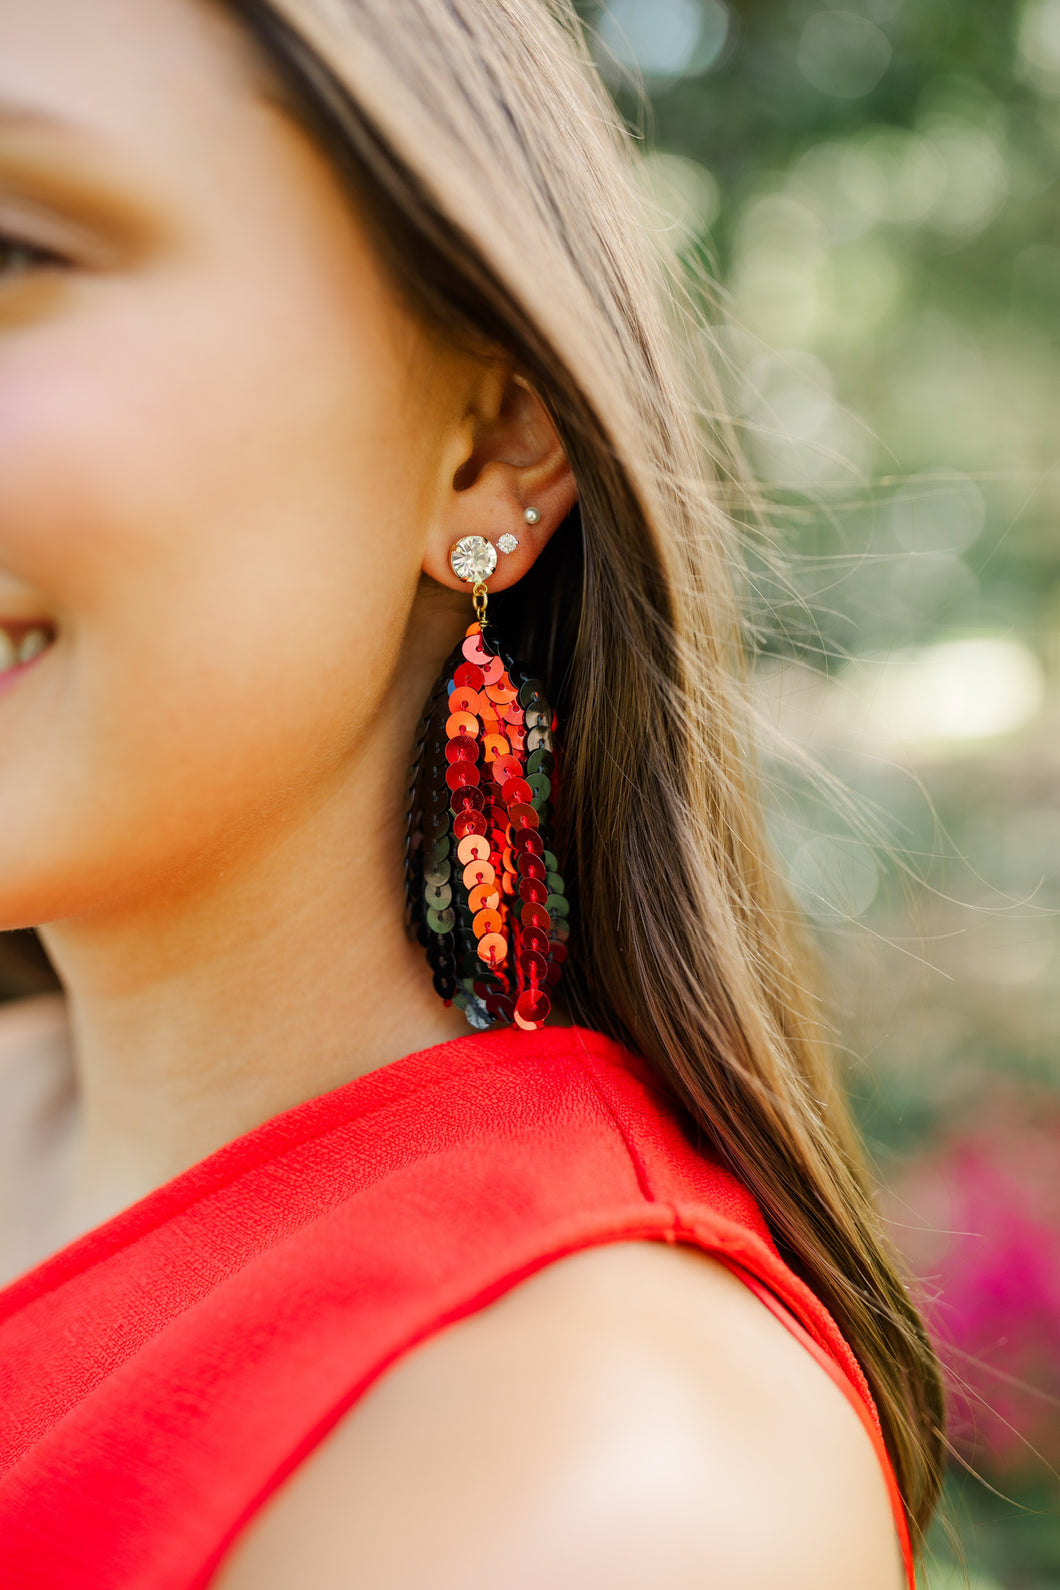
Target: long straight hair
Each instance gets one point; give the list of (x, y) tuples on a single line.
[(501, 186)]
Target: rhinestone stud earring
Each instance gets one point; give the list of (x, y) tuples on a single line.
[(507, 542), (473, 558)]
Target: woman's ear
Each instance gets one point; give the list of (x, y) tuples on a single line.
[(513, 461)]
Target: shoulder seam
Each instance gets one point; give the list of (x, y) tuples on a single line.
[(639, 1168)]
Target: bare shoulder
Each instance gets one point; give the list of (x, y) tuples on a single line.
[(631, 1417)]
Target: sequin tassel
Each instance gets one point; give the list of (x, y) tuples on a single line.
[(483, 889)]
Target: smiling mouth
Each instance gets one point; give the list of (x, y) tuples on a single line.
[(21, 641)]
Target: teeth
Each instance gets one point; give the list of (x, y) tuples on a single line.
[(33, 642), (13, 651)]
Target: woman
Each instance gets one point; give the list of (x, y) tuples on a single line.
[(332, 1280)]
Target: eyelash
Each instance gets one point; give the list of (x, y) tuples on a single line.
[(25, 256)]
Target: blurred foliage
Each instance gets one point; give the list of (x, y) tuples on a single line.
[(875, 189)]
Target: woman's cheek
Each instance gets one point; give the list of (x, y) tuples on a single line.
[(227, 554)]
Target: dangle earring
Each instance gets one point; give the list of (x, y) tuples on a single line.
[(483, 891)]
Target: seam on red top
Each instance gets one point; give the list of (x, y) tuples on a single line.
[(805, 1331), (640, 1170)]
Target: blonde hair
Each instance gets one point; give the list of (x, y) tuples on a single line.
[(502, 187)]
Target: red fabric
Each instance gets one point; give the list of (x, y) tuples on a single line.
[(161, 1375)]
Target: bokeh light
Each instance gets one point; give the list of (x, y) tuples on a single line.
[(843, 53), (949, 694), (665, 38), (1039, 44)]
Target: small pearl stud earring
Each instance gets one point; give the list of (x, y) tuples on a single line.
[(531, 515)]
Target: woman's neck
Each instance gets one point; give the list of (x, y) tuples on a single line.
[(289, 974)]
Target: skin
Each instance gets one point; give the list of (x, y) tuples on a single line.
[(227, 476), (231, 468), (631, 1418)]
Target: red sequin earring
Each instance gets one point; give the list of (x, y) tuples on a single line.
[(483, 890)]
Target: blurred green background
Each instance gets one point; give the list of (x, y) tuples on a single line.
[(875, 189)]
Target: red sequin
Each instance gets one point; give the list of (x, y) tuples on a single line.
[(522, 816), (462, 749), (535, 966), (506, 767), (460, 774), (533, 1007), (468, 795), (516, 791)]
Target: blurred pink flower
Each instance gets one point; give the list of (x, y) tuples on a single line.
[(978, 1217)]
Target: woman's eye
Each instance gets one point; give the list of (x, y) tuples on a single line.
[(18, 258)]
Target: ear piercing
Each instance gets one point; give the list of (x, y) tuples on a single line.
[(473, 558), (508, 542)]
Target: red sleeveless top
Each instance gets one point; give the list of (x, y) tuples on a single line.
[(161, 1375)]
